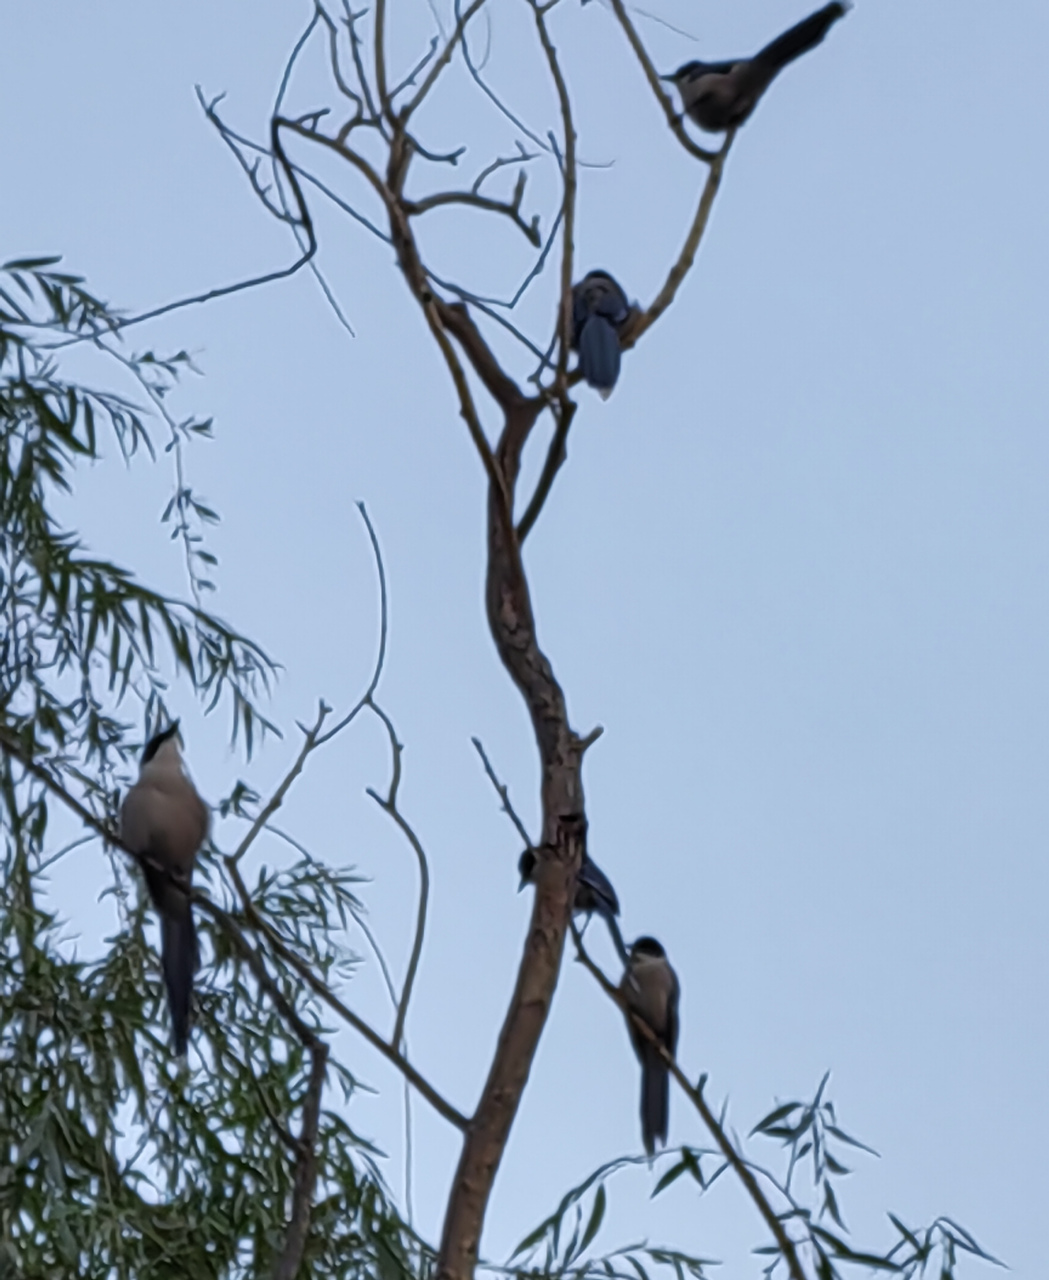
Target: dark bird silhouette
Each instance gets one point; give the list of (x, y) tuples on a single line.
[(721, 95), (599, 310), (594, 894), (650, 989), (164, 822)]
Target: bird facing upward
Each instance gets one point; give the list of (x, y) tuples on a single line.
[(721, 95), (650, 989), (164, 822)]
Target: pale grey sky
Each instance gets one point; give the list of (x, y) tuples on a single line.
[(797, 566)]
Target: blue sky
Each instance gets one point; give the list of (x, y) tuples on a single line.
[(796, 567)]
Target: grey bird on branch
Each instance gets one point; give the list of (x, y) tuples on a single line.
[(164, 822), (594, 894), (721, 95), (599, 310), (650, 988)]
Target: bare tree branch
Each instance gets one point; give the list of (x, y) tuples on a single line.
[(652, 76), (503, 792), (445, 56), (569, 174), (389, 806), (511, 208)]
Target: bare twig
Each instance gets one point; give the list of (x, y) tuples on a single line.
[(389, 806), (277, 799), (445, 56), (556, 455), (641, 321), (652, 76), (503, 792), (380, 659), (739, 1166), (569, 175), (510, 208)]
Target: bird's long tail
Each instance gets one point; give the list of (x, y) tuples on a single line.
[(179, 961), (806, 35), (655, 1099), (599, 354)]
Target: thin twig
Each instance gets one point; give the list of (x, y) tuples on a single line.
[(652, 76), (642, 321), (389, 806), (503, 792), (277, 799), (570, 179), (442, 61), (556, 455)]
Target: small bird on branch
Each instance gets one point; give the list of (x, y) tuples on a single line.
[(599, 310), (651, 990), (594, 894), (721, 95), (164, 822)]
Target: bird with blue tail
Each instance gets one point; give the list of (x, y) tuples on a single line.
[(594, 894), (599, 311)]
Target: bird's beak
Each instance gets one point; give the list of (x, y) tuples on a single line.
[(520, 887), (671, 78)]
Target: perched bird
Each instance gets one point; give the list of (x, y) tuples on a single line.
[(164, 822), (594, 894), (721, 95), (599, 311), (650, 988)]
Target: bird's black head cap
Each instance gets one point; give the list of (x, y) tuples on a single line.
[(156, 742), (647, 946)]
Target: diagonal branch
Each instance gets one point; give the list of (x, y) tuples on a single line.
[(695, 1095), (641, 321), (503, 792), (652, 76), (569, 175)]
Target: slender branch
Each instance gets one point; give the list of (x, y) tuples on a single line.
[(277, 799), (695, 1095), (652, 76), (389, 806), (643, 320), (556, 456), (503, 792), (443, 58), (570, 177), (511, 209), (385, 104), (325, 993), (380, 659)]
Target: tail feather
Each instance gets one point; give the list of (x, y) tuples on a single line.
[(179, 962), (599, 354), (617, 938), (655, 1099), (806, 35)]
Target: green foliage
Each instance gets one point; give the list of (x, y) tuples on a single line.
[(115, 1161), (81, 634)]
